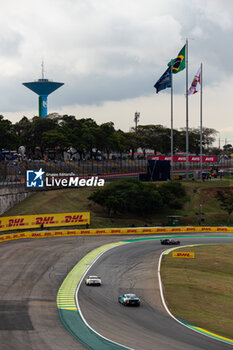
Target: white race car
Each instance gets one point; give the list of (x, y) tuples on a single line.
[(93, 281)]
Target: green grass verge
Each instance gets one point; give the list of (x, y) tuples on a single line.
[(200, 290), (75, 200)]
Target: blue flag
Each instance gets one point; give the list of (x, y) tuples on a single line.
[(164, 81)]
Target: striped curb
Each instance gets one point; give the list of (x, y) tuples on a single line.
[(71, 315), (205, 332), (66, 293)]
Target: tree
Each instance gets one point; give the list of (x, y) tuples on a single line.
[(225, 197), (156, 137), (8, 137), (173, 194), (40, 125), (132, 143), (208, 138), (228, 148), (215, 150), (53, 139), (81, 133), (133, 196), (106, 138), (122, 142), (23, 129)]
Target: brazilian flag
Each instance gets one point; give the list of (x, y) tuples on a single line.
[(178, 64)]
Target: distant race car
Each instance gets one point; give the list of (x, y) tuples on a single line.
[(129, 299), (168, 241), (93, 281)]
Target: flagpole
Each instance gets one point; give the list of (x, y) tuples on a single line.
[(187, 121), (201, 165), (172, 165)]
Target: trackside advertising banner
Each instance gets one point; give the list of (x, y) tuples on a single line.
[(114, 231), (205, 159), (48, 220), (186, 255)]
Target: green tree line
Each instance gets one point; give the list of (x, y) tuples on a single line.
[(85, 134)]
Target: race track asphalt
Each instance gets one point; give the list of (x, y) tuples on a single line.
[(132, 268), (31, 272)]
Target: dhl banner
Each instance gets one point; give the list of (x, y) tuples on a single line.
[(47, 220), (113, 231), (189, 255)]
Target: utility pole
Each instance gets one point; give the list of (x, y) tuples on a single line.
[(136, 120)]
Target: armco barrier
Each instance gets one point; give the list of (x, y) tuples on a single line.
[(113, 231)]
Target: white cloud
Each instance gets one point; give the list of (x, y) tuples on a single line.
[(217, 11)]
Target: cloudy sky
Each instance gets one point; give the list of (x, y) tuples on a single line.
[(110, 53)]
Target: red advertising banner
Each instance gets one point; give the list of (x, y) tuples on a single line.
[(205, 159)]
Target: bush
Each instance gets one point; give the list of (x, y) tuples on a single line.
[(173, 194), (133, 196)]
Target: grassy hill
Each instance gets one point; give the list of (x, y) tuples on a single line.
[(201, 194)]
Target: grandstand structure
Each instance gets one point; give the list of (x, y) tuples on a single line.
[(15, 170)]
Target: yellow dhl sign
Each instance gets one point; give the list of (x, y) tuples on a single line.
[(47, 220), (189, 255)]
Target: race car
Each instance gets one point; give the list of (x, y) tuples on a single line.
[(93, 281), (168, 241), (129, 299)]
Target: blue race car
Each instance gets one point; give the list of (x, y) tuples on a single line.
[(129, 299)]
